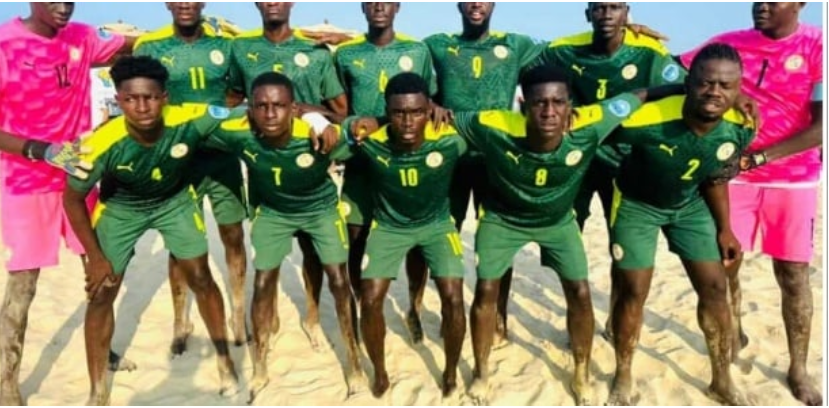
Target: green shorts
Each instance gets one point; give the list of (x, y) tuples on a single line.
[(222, 183), (388, 246), (562, 250), (179, 221), (272, 235), (357, 203), (598, 179), (690, 231)]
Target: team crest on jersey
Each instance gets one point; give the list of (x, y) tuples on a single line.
[(302, 60), (305, 160), (434, 160), (216, 57), (501, 52), (406, 63), (794, 63), (218, 112), (620, 108), (670, 73), (345, 209), (104, 34), (178, 151), (365, 262), (74, 54), (629, 71), (573, 158), (725, 151), (618, 252)]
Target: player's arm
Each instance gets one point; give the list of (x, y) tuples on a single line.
[(65, 156), (468, 125), (716, 197), (333, 93)]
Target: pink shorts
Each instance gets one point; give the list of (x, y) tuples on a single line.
[(785, 218), (32, 227)]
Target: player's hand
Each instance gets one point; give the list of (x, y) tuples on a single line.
[(326, 38), (326, 141), (748, 107), (752, 160), (361, 128), (67, 157), (640, 29), (441, 116), (729, 247), (99, 275)]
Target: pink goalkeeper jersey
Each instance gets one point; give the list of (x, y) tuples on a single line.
[(45, 95), (781, 76)]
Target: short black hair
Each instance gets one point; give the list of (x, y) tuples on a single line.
[(406, 83), (543, 74), (714, 51), (272, 78), (130, 67)]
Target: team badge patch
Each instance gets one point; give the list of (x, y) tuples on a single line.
[(218, 112), (620, 108), (406, 63), (301, 60), (629, 71), (104, 34), (670, 73), (74, 54), (305, 160), (618, 252), (500, 52), (725, 151), (434, 160), (178, 151), (794, 62), (216, 57), (345, 209), (365, 262), (573, 158)]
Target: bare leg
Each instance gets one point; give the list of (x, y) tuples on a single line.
[(735, 296), (614, 299), (233, 239), (580, 325), (418, 274), (454, 323), (14, 317), (501, 338), (483, 330), (357, 235), (793, 279), (182, 327), (211, 308), (634, 286), (373, 326), (312, 273), (341, 289), (262, 313), (98, 327)]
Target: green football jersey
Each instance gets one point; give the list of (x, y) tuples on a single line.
[(310, 67), (480, 75), (144, 177), (365, 69), (668, 162), (411, 189), (199, 71), (530, 189), (641, 62), (292, 180)]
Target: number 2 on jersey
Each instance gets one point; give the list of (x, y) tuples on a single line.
[(693, 165), (197, 78)]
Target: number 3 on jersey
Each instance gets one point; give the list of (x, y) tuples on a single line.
[(601, 92)]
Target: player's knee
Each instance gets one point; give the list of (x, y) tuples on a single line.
[(452, 299), (580, 293), (200, 279), (233, 236), (371, 300), (104, 298), (337, 282), (793, 278)]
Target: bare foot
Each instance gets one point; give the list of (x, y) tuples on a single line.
[(118, 363), (728, 395), (450, 385), (804, 391), (381, 385), (315, 336), (357, 383), (582, 392), (11, 397), (228, 382), (98, 399), (180, 337), (620, 394), (415, 327), (479, 392), (258, 384)]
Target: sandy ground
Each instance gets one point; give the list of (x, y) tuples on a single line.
[(671, 366)]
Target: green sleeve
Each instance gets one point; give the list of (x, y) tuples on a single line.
[(665, 70), (338, 66), (546, 56), (236, 79), (428, 73), (224, 140), (211, 119), (343, 150), (614, 111), (528, 50), (746, 137), (469, 128), (99, 166), (141, 50), (331, 86)]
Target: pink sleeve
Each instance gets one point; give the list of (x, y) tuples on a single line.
[(3, 75), (816, 61), (103, 45)]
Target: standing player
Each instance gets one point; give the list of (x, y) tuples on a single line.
[(478, 70), (44, 105), (142, 160), (296, 194), (410, 165), (778, 193), (365, 65), (604, 63), (198, 60), (277, 48), (679, 144)]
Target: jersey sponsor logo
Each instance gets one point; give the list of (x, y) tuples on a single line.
[(725, 151), (617, 251), (620, 108), (125, 167), (305, 160), (500, 52), (669, 150), (578, 69), (385, 160), (360, 63), (406, 63), (253, 56), (301, 60), (168, 61), (573, 158), (104, 34), (250, 155), (156, 175), (670, 73), (217, 57), (456, 50), (178, 151), (434, 160), (629, 71), (794, 63), (74, 54), (512, 156), (218, 112), (365, 262)]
